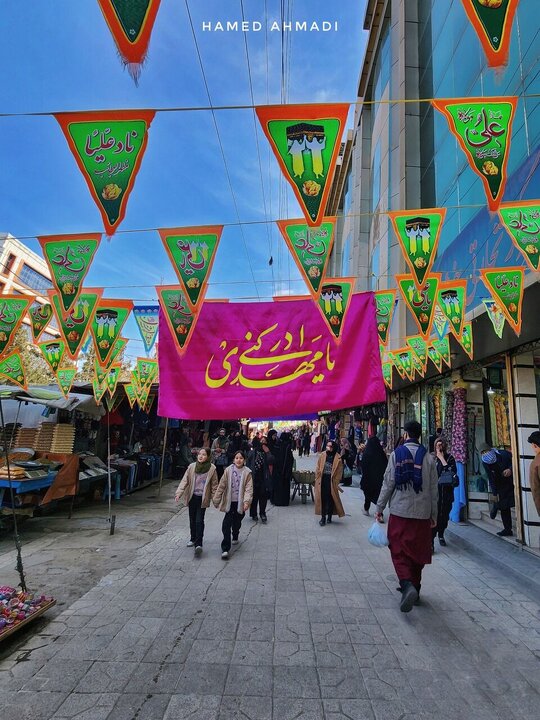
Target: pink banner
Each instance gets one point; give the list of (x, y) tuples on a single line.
[(272, 360)]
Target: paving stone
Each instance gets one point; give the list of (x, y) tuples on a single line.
[(23, 706), (201, 679), (140, 706), (245, 708), (86, 706), (57, 676), (106, 677), (348, 710), (294, 653), (289, 709), (296, 682), (340, 683), (256, 631), (249, 680), (253, 653), (154, 678)]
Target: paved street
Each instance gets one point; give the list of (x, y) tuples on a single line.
[(302, 622)]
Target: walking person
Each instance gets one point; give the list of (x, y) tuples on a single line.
[(219, 452), (233, 497), (306, 441), (196, 489), (257, 464), (498, 466), (328, 475), (448, 480), (410, 488), (534, 469), (348, 457), (373, 464)]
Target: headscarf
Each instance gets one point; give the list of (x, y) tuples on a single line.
[(202, 467), (335, 449), (489, 457)]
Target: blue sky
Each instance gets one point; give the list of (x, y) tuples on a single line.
[(60, 56)]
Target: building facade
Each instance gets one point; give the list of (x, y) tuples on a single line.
[(404, 157)]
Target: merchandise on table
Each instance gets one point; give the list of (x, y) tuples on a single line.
[(17, 607)]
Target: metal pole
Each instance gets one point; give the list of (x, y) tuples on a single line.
[(19, 566), (514, 444), (15, 425), (109, 461), (163, 455)]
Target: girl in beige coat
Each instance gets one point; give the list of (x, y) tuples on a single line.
[(196, 489), (233, 497), (328, 475)]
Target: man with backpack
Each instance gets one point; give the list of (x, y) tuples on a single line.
[(410, 486)]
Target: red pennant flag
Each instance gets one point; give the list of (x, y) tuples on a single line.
[(492, 20), (306, 140), (131, 23), (108, 146)]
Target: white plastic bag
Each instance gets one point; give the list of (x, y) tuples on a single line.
[(377, 535)]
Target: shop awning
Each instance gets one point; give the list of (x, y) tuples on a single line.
[(54, 399)]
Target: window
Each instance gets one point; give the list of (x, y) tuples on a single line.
[(34, 279), (9, 264), (376, 177)]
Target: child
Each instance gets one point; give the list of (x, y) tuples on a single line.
[(233, 497), (196, 489)]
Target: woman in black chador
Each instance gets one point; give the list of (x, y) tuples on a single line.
[(374, 462), (282, 467)]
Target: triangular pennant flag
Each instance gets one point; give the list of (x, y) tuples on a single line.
[(69, 258), (310, 248), (53, 352), (65, 377), (149, 403), (387, 374), (418, 234), (451, 298), (118, 347), (385, 301), (86, 344), (420, 303), (192, 251), (180, 319), (435, 357), (131, 394), (522, 222), (306, 141), (74, 326), (142, 396), (12, 310), (135, 381), (113, 373), (403, 356), (496, 316), (466, 339), (334, 302), (483, 128), (506, 288), (11, 366), (147, 371), (418, 367), (131, 23), (111, 403), (440, 322), (397, 364), (147, 319), (107, 325), (98, 389), (108, 147), (492, 20), (419, 347), (100, 372), (40, 317), (443, 348)]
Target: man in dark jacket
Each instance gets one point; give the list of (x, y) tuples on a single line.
[(498, 466)]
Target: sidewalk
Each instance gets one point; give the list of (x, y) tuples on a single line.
[(302, 622)]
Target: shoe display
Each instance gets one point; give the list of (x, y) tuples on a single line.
[(442, 541), (235, 541), (322, 522), (198, 550), (224, 555), (409, 596), (505, 533), (263, 518), (190, 543)]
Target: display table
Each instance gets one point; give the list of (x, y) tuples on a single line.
[(25, 485)]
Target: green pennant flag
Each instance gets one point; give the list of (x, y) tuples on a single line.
[(496, 316), (69, 258), (65, 377), (310, 249), (417, 365), (11, 366), (492, 20), (435, 357), (118, 347), (74, 326), (385, 301), (419, 347), (418, 234), (392, 357), (404, 357), (108, 147), (147, 370), (131, 394), (334, 302), (483, 128), (522, 222), (306, 142), (387, 374), (98, 390), (112, 403), (12, 310), (506, 287), (180, 320), (100, 372), (142, 396), (40, 317), (451, 298), (466, 339), (420, 303), (443, 348), (111, 378), (192, 251), (53, 352), (440, 322), (107, 325)]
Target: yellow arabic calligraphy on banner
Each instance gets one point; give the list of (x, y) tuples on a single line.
[(270, 362)]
